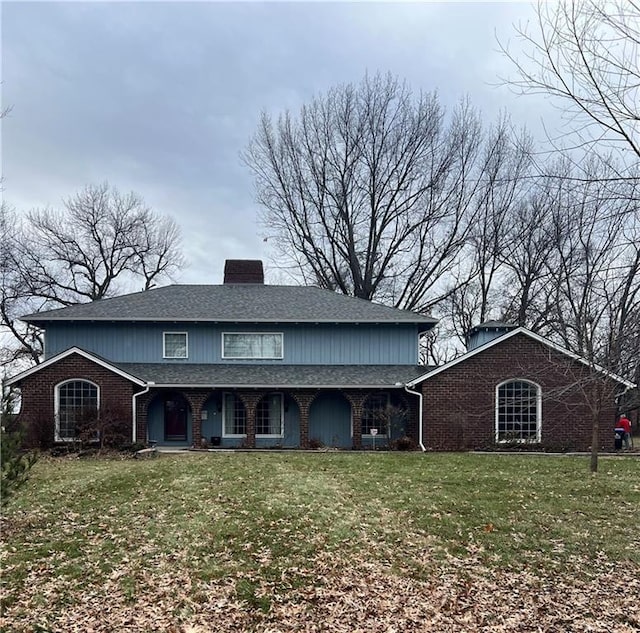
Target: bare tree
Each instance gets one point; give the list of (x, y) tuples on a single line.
[(477, 286), (101, 242), (594, 271), (19, 341), (586, 244), (371, 190), (586, 53)]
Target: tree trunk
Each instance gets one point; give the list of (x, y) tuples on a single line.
[(595, 440)]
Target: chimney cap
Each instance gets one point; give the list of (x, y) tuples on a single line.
[(491, 325), (243, 271)]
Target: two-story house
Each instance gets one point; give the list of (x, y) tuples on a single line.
[(237, 364), (255, 365)]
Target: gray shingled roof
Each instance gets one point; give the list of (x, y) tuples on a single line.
[(273, 376), (256, 303)]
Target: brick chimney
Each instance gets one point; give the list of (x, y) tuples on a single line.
[(243, 271)]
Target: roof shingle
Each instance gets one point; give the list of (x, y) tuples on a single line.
[(255, 303), (273, 376)]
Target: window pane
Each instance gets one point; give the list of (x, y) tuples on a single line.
[(517, 418), (269, 415), (77, 401), (235, 419), (374, 414), (175, 345), (242, 345)]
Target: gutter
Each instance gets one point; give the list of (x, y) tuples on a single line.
[(134, 408), (419, 394)]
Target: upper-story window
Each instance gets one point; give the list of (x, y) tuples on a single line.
[(252, 345), (518, 411), (175, 345)]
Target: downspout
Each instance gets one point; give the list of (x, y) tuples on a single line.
[(419, 394), (134, 434)]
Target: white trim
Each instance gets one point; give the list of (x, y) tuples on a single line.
[(134, 411), (225, 357), (535, 337), (186, 345), (68, 352), (245, 385), (36, 318), (56, 406), (420, 416), (538, 410)]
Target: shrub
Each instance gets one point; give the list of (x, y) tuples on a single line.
[(404, 443), (16, 465)]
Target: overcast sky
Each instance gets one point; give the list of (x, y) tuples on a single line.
[(161, 97)]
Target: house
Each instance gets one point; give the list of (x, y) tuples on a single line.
[(514, 387), (254, 365), (237, 364)]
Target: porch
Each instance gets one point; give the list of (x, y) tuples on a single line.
[(272, 418)]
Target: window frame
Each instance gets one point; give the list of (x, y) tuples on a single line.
[(225, 356), (263, 399), (521, 440), (224, 415), (373, 395), (186, 345), (56, 406)]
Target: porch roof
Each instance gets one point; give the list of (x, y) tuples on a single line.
[(273, 376)]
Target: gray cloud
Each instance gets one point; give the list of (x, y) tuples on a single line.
[(162, 97)]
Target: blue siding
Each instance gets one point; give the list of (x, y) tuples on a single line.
[(303, 344), (155, 424), (212, 425), (330, 420)]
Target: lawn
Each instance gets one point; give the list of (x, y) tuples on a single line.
[(324, 542)]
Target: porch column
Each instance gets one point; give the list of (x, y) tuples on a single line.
[(356, 399), (196, 399), (304, 399), (250, 400), (142, 410)]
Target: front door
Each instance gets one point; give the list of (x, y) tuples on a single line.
[(175, 420)]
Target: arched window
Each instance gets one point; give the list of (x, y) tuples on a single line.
[(518, 411), (75, 401)]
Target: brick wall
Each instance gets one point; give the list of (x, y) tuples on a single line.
[(37, 410), (459, 404)]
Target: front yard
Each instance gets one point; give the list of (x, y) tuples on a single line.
[(324, 542)]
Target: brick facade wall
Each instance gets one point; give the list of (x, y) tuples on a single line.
[(37, 411), (459, 404)]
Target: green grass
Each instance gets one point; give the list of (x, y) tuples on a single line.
[(252, 519)]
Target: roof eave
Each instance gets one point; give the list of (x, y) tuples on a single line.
[(268, 386), (68, 352), (521, 330), (35, 321)]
